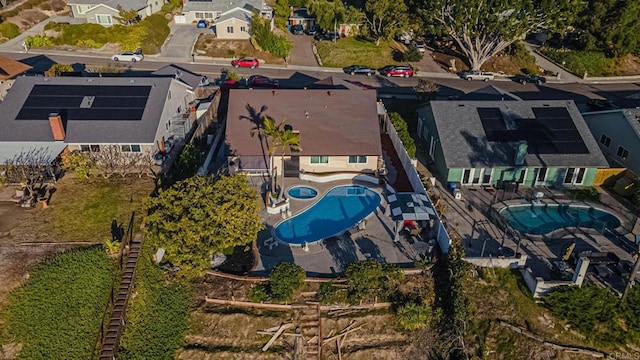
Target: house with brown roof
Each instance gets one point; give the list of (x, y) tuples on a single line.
[(10, 68), (338, 129)]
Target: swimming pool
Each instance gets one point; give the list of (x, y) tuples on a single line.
[(542, 219), (302, 192), (339, 209)]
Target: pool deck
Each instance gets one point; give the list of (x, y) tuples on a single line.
[(330, 256)]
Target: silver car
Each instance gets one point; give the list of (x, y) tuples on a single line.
[(128, 56)]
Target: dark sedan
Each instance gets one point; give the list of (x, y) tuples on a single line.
[(530, 79), (359, 69)]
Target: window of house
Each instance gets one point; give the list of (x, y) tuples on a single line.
[(522, 175), (605, 140), (622, 153), (229, 29), (103, 19), (319, 159), (243, 28), (90, 148), (357, 159), (199, 15), (542, 176), (130, 148), (136, 148)]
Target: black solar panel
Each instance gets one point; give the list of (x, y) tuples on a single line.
[(99, 102), (552, 131)]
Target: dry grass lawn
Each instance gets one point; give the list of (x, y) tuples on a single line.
[(208, 45), (352, 51)]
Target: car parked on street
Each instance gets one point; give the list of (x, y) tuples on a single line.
[(477, 75), (245, 62), (261, 81), (297, 30), (420, 45), (359, 70), (202, 24), (530, 79), (128, 56), (396, 70)]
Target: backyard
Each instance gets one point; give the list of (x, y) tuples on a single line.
[(208, 45)]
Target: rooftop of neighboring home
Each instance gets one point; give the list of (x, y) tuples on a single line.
[(330, 122), (127, 4), (488, 133), (224, 6), (181, 74), (10, 68), (94, 110)]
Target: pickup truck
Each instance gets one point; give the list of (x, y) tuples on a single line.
[(477, 75)]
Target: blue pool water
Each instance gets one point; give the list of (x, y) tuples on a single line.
[(542, 219), (302, 192), (338, 210)]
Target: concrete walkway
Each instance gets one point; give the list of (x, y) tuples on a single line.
[(564, 75)]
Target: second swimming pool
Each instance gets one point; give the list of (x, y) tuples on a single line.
[(339, 209), (542, 219)]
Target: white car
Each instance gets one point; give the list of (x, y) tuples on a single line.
[(128, 56)]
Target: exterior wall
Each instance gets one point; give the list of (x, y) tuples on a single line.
[(555, 176), (237, 34), (428, 132), (336, 163), (194, 16), (143, 147), (177, 102), (618, 129), (92, 15), (79, 11)]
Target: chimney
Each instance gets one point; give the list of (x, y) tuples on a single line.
[(55, 120), (274, 92)]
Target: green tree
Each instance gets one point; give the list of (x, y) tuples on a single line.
[(285, 140), (261, 33), (188, 161), (612, 26), (403, 133), (268, 131), (59, 69), (201, 216), (385, 18), (483, 28), (413, 316), (126, 17), (370, 278), (329, 13), (286, 278), (78, 162)]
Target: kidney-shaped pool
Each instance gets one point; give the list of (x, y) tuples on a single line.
[(339, 209)]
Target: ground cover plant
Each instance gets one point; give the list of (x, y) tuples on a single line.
[(349, 51), (580, 62), (60, 308)]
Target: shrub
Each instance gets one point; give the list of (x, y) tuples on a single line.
[(593, 63), (258, 294), (60, 308), (38, 41), (329, 294), (413, 316), (59, 69), (369, 279), (412, 54), (231, 75), (278, 45), (188, 162), (286, 278), (78, 162), (9, 30), (172, 4), (403, 133), (588, 194)]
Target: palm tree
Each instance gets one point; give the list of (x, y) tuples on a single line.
[(286, 140), (268, 130)]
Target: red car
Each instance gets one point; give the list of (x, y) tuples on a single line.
[(403, 71), (245, 62), (259, 81)]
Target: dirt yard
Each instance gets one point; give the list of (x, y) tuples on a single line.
[(26, 16), (208, 45)]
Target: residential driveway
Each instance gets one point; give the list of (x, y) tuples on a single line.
[(181, 40), (301, 52)]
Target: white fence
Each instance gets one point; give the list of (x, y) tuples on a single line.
[(441, 232), (490, 262), (538, 286)]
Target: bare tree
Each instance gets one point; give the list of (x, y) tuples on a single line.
[(426, 89), (107, 160), (30, 167)]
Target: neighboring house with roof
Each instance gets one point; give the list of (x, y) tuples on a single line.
[(85, 114), (231, 19), (531, 143), (300, 16), (338, 129), (105, 12), (618, 135), (10, 68)]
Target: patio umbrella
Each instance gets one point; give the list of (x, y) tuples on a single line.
[(409, 206)]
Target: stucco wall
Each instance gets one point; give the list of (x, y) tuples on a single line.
[(237, 34), (618, 129), (338, 163)]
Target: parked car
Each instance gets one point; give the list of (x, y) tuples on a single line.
[(202, 24), (530, 79), (260, 81), (245, 62), (329, 35), (393, 70), (297, 30), (477, 75), (128, 56), (359, 69), (421, 46), (312, 30)]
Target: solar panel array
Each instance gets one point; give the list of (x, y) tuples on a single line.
[(106, 102), (552, 131)]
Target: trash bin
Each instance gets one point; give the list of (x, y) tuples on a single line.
[(457, 194), (452, 186)]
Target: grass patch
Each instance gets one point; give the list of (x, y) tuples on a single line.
[(350, 51), (593, 63), (149, 34), (84, 210), (9, 30), (59, 310), (157, 316)]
